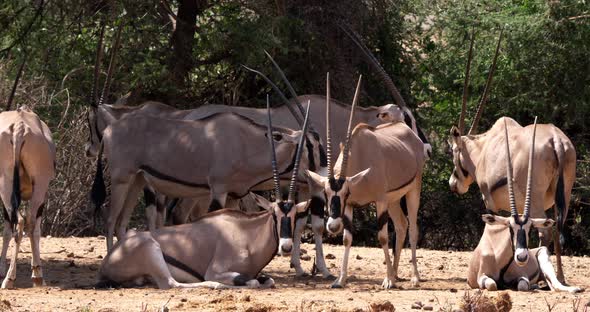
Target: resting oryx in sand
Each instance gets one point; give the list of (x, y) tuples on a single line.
[(475, 159), (377, 164), (502, 258), (223, 249), (27, 167)]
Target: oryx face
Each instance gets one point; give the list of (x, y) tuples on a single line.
[(460, 178), (519, 232), (285, 221), (92, 146)]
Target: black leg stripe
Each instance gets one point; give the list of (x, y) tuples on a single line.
[(181, 266), (241, 280), (382, 220), (347, 224)]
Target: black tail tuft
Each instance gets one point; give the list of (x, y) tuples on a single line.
[(98, 193), (560, 202), (15, 197)]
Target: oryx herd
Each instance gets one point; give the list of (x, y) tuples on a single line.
[(200, 163)]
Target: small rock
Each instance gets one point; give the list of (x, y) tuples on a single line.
[(246, 298), (427, 308), (330, 256), (183, 300), (332, 265), (70, 255), (48, 236), (453, 290), (91, 249), (440, 267), (458, 310), (99, 257), (431, 300), (100, 237), (305, 257), (419, 303), (303, 251), (416, 306), (358, 257), (350, 299)]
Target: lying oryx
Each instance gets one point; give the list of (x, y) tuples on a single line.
[(502, 258), (27, 167), (475, 160), (224, 249), (377, 164), (218, 156)]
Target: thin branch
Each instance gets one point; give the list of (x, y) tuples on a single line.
[(25, 33)]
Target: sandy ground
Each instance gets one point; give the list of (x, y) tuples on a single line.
[(71, 264)]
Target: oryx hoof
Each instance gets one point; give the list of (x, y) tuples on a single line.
[(269, 283), (523, 285), (330, 277), (253, 283), (388, 283), (415, 281), (8, 283), (302, 274), (490, 284), (337, 286), (38, 281)]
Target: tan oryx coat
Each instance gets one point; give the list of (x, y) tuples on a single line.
[(27, 167)]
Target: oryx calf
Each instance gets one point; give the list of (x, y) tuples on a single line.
[(377, 165), (226, 248), (26, 168), (502, 258)]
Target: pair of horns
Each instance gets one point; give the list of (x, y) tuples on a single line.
[(372, 60), (529, 183), (96, 100), (275, 171), (345, 151), (16, 80), (484, 97)]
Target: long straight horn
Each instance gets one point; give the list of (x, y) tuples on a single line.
[(115, 48), (293, 184), (484, 97), (372, 60), (328, 132), (529, 181), (466, 84), (97, 61), (344, 164), (513, 211), (16, 80), (286, 81), (271, 143), (281, 94)]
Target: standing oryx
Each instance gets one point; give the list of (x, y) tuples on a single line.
[(223, 249), (377, 164), (502, 258), (26, 168), (476, 159)]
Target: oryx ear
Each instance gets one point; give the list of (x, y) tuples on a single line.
[(357, 179), (542, 223), (302, 206), (316, 182), (495, 220), (455, 133), (261, 201)]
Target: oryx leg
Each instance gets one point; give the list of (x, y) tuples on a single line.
[(317, 225), (129, 205), (118, 195), (413, 203), (557, 246), (400, 223), (150, 208), (33, 226), (11, 274), (347, 242), (546, 267), (217, 198), (7, 235), (160, 211), (301, 220), (382, 218), (486, 282)]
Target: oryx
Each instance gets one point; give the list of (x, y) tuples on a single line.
[(376, 165), (475, 159), (223, 249), (502, 258), (26, 168)]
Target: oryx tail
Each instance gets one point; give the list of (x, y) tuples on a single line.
[(560, 203), (15, 198), (98, 193)]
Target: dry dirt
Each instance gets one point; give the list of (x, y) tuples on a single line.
[(71, 264)]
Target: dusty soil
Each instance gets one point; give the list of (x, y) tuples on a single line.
[(71, 264)]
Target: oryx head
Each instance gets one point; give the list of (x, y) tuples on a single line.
[(338, 189), (285, 211), (390, 113), (464, 168), (92, 146), (519, 226)]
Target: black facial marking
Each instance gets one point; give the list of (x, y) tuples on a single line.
[(286, 231), (335, 207), (521, 239), (286, 206), (347, 224), (500, 183), (336, 185), (240, 280), (316, 206), (546, 223), (382, 220), (215, 205), (40, 210), (310, 157), (277, 137)]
